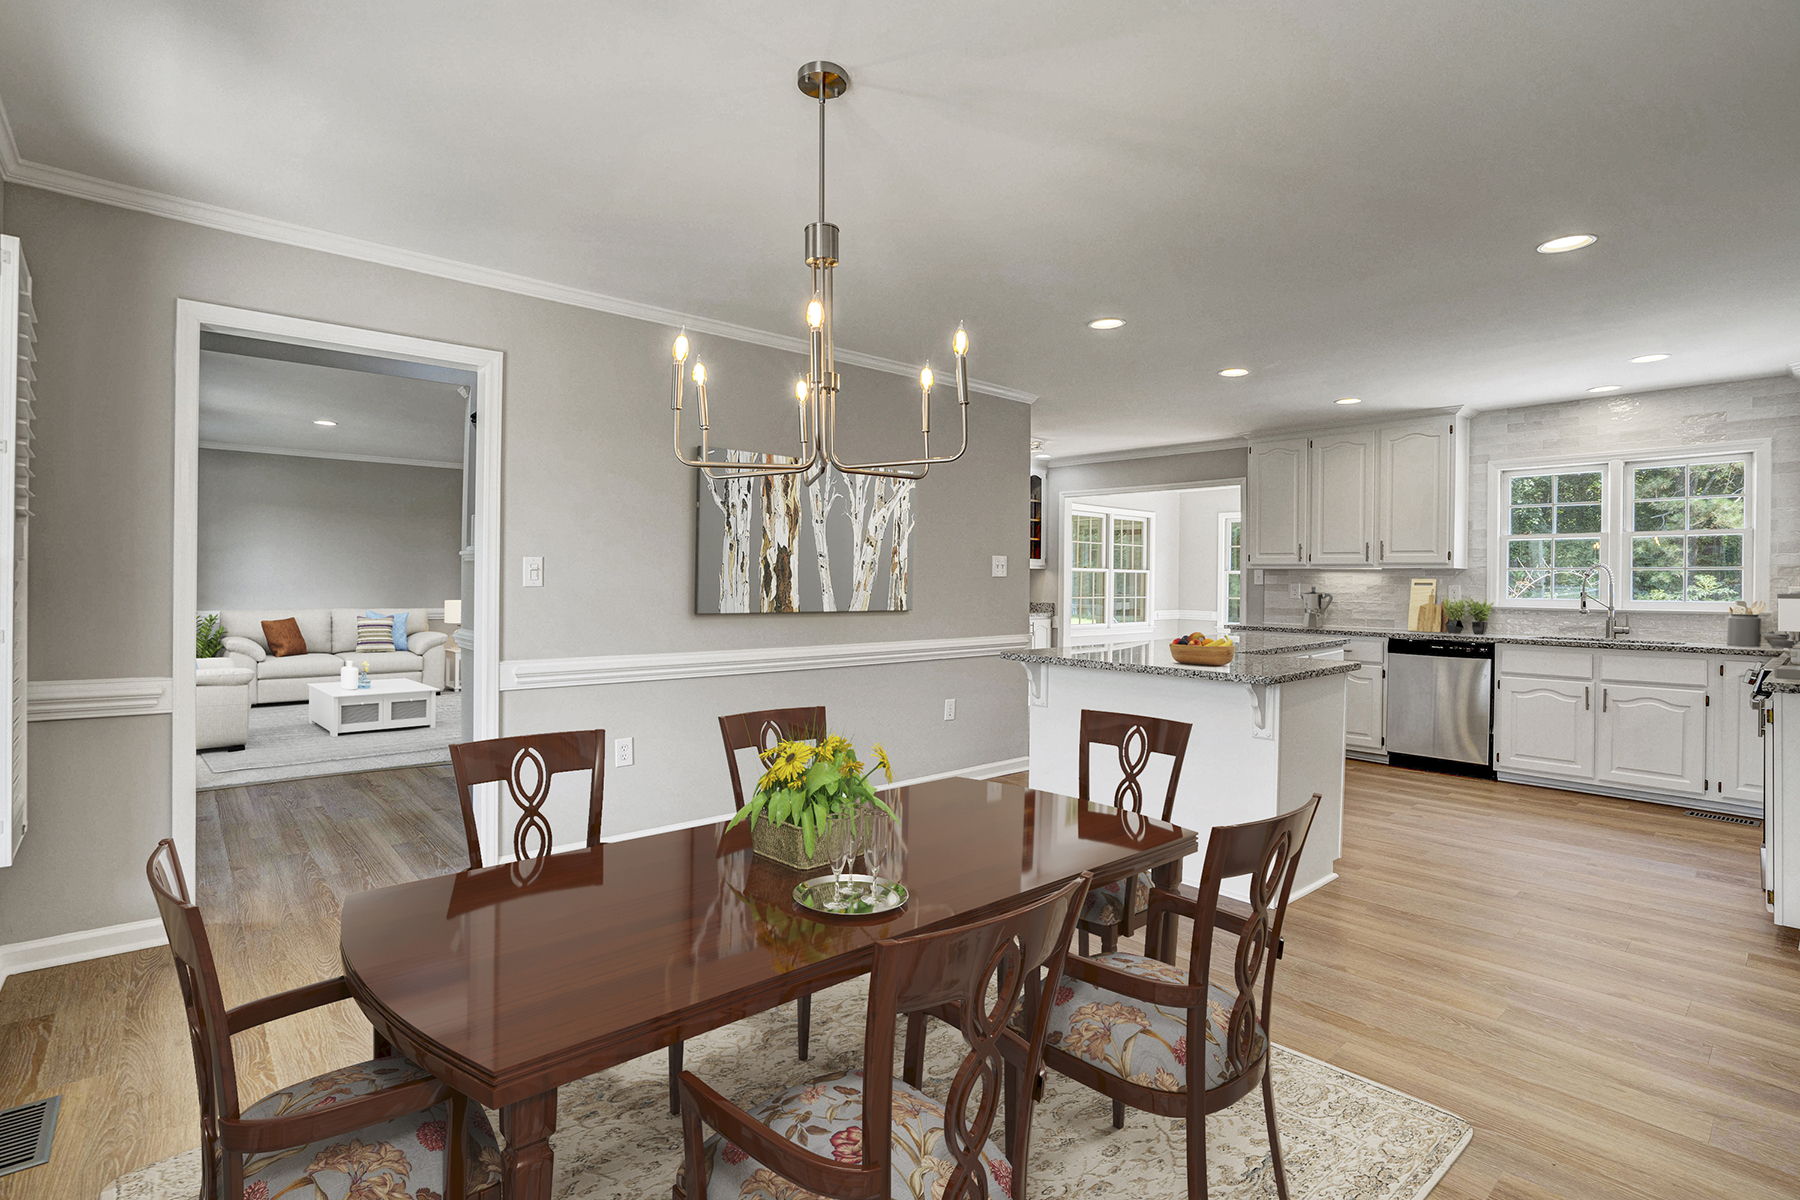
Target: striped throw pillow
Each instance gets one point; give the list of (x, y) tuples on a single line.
[(374, 633)]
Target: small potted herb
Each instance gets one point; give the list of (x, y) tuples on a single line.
[(1453, 615), (807, 804), (1480, 611)]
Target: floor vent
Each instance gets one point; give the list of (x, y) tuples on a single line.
[(1725, 817), (25, 1134)]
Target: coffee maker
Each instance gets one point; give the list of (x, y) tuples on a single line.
[(1317, 605)]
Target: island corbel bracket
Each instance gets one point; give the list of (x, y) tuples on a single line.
[(1037, 684), (1262, 715)]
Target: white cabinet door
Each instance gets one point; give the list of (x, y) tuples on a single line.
[(1276, 509), (1343, 499), (1734, 754), (1545, 726), (1365, 708), (1415, 492), (1653, 737)]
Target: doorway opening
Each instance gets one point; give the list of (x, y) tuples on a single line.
[(336, 531)]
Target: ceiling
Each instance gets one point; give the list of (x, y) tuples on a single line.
[(1342, 197), (270, 404)]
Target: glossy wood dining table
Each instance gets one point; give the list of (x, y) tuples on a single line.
[(509, 981)]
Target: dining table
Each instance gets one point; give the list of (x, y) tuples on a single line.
[(510, 981)]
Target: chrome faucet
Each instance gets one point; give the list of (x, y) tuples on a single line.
[(1617, 623)]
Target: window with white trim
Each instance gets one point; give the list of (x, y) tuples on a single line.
[(1231, 567), (1109, 569), (1677, 529)]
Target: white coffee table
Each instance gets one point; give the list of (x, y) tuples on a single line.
[(384, 704)]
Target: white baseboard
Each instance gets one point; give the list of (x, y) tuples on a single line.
[(79, 946)]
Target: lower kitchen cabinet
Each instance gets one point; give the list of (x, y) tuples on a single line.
[(1652, 737), (1735, 757), (1544, 726), (1365, 697)]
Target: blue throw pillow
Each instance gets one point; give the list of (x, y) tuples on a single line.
[(399, 620)]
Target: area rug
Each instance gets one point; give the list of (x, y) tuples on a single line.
[(285, 744), (1344, 1136)]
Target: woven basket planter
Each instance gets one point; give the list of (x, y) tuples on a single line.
[(786, 844)]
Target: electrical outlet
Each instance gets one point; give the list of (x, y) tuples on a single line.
[(949, 710), (623, 754), (999, 566), (1256, 577), (1456, 591), (1294, 590), (534, 570)]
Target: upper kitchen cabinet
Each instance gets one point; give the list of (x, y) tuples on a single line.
[(1391, 495), (1035, 539), (1276, 515), (1343, 499), (1421, 493)]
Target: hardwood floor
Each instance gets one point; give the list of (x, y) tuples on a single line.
[(1592, 982)]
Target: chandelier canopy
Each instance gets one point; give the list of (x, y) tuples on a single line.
[(817, 391)]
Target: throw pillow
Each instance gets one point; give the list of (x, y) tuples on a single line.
[(398, 620), (374, 633), (284, 637)]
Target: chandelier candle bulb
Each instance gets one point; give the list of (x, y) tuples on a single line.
[(925, 378)]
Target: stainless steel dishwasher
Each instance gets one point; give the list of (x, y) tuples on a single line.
[(1440, 700)]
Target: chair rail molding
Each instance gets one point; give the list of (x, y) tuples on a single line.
[(528, 674), (82, 699)]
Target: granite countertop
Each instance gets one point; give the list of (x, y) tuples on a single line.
[(1522, 639), (1790, 686), (1043, 606), (1261, 666)]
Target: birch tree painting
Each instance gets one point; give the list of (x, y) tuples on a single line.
[(835, 543)]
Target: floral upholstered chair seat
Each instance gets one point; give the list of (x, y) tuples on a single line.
[(402, 1159), (1141, 1043), (825, 1118), (1106, 903)]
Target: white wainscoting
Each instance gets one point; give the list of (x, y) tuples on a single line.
[(79, 946), (80, 699), (525, 674)]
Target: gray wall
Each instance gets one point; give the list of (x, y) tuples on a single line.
[(588, 483), (1741, 410), (281, 531), (1200, 512)]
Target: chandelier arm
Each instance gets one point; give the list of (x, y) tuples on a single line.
[(810, 457), (891, 468)]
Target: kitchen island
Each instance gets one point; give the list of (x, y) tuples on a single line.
[(1268, 732)]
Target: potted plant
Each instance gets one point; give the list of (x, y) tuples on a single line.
[(807, 804), (1453, 615), (1480, 611), (209, 636)]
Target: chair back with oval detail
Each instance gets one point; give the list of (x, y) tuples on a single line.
[(525, 765), (1133, 739), (760, 730), (209, 1029)]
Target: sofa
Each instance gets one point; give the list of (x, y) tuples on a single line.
[(330, 635), (221, 704)]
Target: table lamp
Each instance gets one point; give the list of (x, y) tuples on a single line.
[(453, 613)]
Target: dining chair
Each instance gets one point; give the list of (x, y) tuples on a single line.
[(1128, 1026), (1115, 908), (759, 731), (377, 1127), (863, 1135)]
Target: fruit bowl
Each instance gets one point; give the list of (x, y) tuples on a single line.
[(1201, 656)]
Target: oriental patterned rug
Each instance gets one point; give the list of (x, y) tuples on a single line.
[(1345, 1137)]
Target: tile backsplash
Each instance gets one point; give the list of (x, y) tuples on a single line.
[(1746, 410)]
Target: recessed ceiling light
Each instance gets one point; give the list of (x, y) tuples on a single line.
[(1235, 372), (1644, 358), (1106, 322), (1562, 245), (323, 421), (1348, 400), (1606, 387)]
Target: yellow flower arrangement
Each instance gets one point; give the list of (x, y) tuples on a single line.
[(806, 785)]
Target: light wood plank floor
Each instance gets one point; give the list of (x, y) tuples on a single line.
[(1592, 982)]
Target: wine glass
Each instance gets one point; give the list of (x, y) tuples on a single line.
[(847, 851), (884, 850)]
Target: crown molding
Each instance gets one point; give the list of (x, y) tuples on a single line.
[(15, 169), (1082, 460), (366, 458)]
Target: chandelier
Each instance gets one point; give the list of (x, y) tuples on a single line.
[(817, 392)]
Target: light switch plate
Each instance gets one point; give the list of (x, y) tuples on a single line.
[(534, 571), (623, 753), (999, 566), (949, 710)]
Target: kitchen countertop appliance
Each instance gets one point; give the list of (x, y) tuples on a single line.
[(1440, 702), (1317, 605)]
